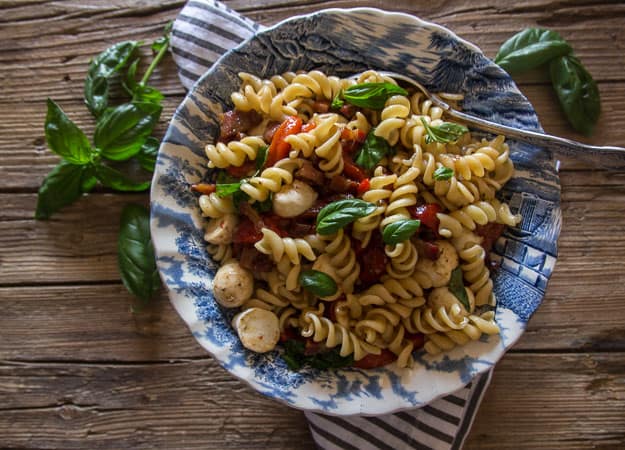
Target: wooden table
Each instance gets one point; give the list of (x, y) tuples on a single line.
[(79, 370)]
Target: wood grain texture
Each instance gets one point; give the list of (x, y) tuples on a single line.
[(78, 370)]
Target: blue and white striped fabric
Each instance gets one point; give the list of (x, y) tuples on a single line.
[(202, 32)]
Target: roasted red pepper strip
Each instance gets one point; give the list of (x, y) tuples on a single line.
[(203, 188), (308, 126), (364, 186), (279, 149), (351, 170), (373, 361), (246, 232)]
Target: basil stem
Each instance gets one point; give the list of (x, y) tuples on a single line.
[(318, 283), (400, 231), (338, 214)]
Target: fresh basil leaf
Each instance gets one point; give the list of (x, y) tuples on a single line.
[(295, 357), (373, 150), (61, 187), (64, 137), (148, 153), (531, 48), (577, 92), (239, 197), (400, 231), (261, 158), (226, 189), (317, 283), (88, 179), (101, 68), (456, 287), (114, 179), (136, 260), (445, 133), (131, 82), (338, 214), (294, 354), (121, 132), (264, 206), (371, 95), (443, 173)]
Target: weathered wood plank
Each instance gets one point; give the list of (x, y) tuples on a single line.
[(26, 160), (52, 59), (535, 401)]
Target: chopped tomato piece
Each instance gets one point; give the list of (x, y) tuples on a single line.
[(364, 186), (279, 149), (417, 339), (352, 140), (490, 232), (372, 260), (430, 249), (247, 232), (427, 215), (289, 333), (203, 188), (308, 126), (351, 170), (241, 171), (373, 361)]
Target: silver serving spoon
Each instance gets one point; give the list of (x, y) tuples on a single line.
[(608, 157)]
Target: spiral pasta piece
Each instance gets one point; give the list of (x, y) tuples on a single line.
[(214, 206), (377, 194), (343, 260), (269, 180), (275, 246), (393, 118), (475, 328)]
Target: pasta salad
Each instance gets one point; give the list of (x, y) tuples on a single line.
[(351, 222)]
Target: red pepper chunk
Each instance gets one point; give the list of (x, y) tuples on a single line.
[(351, 170), (364, 186), (373, 361), (279, 149), (427, 215)]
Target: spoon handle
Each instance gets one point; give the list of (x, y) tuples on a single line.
[(607, 157)]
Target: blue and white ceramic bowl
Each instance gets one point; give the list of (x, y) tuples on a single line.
[(344, 42)]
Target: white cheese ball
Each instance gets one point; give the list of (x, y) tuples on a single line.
[(220, 231), (293, 199), (439, 271), (258, 329), (233, 285)]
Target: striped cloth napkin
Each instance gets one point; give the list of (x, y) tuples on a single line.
[(202, 32)]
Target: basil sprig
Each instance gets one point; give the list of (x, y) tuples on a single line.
[(295, 357), (444, 133), (456, 287), (368, 95), (318, 283), (443, 173), (137, 265), (576, 90), (338, 214), (121, 133), (372, 151), (400, 231), (529, 49)]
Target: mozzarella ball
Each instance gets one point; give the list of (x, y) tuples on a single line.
[(233, 285), (439, 270), (220, 231), (294, 199), (258, 329)]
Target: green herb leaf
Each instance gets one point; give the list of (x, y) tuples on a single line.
[(61, 187), (100, 70), (88, 179), (130, 85), (114, 179), (162, 41), (226, 189), (443, 173), (338, 214), (373, 150), (456, 287), (121, 132), (148, 153), (337, 102), (261, 158), (137, 264), (400, 231), (317, 283), (531, 48), (264, 206), (148, 94), (295, 357), (64, 137), (444, 133), (371, 95), (577, 92)]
